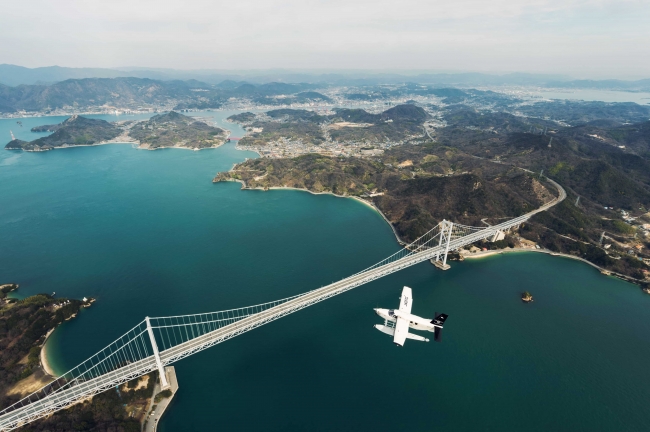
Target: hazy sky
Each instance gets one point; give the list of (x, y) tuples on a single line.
[(583, 38)]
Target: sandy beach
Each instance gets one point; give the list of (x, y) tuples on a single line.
[(44, 363)]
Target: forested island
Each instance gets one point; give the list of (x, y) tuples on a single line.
[(176, 130), (160, 131), (75, 131)]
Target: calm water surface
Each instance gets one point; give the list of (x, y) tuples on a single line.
[(147, 233)]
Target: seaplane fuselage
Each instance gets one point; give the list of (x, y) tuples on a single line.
[(415, 322)]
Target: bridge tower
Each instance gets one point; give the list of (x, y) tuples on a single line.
[(164, 385), (446, 228)]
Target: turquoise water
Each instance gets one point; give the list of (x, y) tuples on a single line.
[(147, 233)]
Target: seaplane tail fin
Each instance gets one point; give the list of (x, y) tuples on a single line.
[(439, 320)]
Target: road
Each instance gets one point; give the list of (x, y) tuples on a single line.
[(154, 418)]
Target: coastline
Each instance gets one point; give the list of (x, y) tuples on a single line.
[(484, 254), (237, 147), (137, 143), (359, 199), (45, 364), (472, 256)]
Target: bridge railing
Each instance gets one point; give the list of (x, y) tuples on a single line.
[(131, 347), (172, 331)]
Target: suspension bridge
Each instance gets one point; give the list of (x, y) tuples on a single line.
[(157, 342)]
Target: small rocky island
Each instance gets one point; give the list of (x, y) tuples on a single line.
[(526, 297), (160, 131)]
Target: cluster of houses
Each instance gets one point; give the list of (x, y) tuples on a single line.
[(60, 305)]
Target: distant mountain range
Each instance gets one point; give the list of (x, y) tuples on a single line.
[(12, 75), (137, 93)]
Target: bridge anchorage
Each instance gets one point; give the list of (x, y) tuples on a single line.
[(157, 342)]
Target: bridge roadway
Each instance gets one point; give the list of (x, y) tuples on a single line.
[(82, 390)]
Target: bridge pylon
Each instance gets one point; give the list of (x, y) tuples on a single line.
[(164, 384), (446, 228)]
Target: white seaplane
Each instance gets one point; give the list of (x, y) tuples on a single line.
[(398, 321)]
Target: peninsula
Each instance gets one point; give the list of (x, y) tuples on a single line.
[(24, 327), (472, 166), (412, 204)]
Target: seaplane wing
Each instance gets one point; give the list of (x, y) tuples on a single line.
[(406, 301), (402, 324), (401, 331)]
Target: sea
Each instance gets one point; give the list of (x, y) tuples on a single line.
[(539, 94), (147, 233), (641, 98)]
